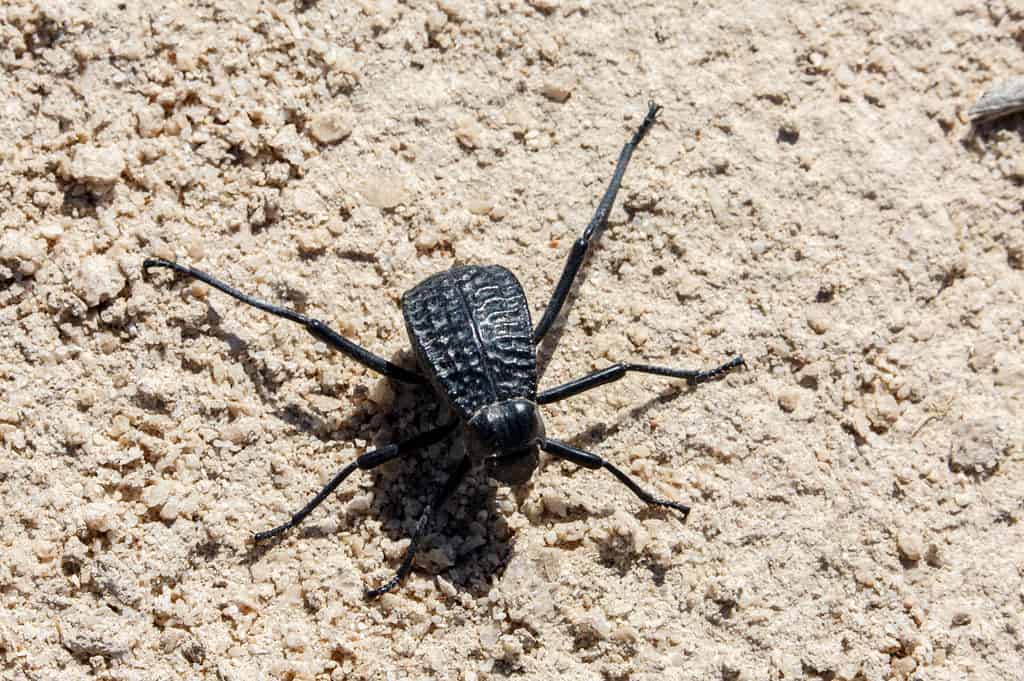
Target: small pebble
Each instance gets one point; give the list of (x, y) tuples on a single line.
[(819, 320), (383, 191), (845, 76), (97, 165), (558, 88), (469, 134), (789, 399), (28, 253), (480, 206), (903, 667), (99, 280), (294, 640), (186, 57), (330, 126), (979, 446), (151, 120), (51, 231), (911, 544), (98, 516), (544, 6)]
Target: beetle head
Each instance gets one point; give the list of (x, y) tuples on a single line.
[(506, 437)]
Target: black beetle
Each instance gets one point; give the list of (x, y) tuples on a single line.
[(475, 345)]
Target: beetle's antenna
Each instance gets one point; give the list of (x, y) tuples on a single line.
[(594, 228)]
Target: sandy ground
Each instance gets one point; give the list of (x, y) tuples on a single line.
[(811, 197)]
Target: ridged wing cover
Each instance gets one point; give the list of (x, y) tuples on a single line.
[(470, 328)]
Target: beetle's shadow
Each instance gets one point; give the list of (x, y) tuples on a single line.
[(267, 384), (597, 433), (469, 543)]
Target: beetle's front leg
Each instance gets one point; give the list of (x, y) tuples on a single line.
[(594, 228), (315, 327)]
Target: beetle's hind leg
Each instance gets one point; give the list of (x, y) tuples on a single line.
[(421, 526), (315, 327), (588, 460), (594, 228), (617, 371), (367, 461)]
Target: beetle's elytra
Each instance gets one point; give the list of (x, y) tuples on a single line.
[(475, 345)]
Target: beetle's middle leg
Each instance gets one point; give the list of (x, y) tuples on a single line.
[(421, 525), (315, 327), (594, 228), (588, 460), (617, 371), (367, 461)]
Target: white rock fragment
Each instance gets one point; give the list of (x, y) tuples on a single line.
[(295, 639), (383, 191), (288, 145), (469, 133), (359, 504), (51, 231), (88, 634), (903, 667), (166, 495), (558, 88), (483, 205), (99, 280), (150, 120), (819, 320), (978, 447), (330, 126), (23, 252), (243, 431), (456, 10), (1004, 99), (544, 6), (789, 399), (186, 57), (526, 591), (911, 544), (845, 76), (97, 165), (382, 394), (98, 516)]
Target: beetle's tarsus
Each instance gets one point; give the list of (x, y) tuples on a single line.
[(426, 516), (683, 509), (717, 372), (594, 462), (387, 586), (258, 537)]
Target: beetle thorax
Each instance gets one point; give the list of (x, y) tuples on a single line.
[(505, 437)]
